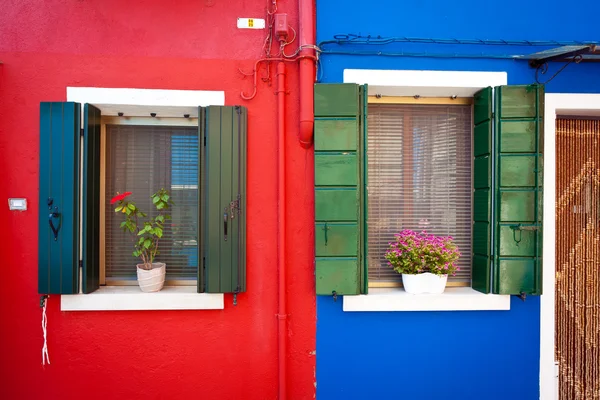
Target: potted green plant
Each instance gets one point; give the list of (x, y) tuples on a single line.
[(424, 260), (147, 234)]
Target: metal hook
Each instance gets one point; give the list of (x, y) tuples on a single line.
[(325, 228), (56, 228), (516, 228), (523, 296), (334, 293)]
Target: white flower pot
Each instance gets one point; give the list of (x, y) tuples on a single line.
[(424, 283), (151, 280)]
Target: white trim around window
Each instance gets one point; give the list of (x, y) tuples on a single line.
[(430, 84), (140, 103), (556, 104)]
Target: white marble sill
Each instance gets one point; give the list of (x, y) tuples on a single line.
[(118, 298), (453, 299)]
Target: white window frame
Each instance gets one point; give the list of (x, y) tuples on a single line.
[(140, 103), (425, 84), (555, 104)]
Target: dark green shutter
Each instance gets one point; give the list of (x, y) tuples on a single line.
[(482, 194), (340, 123), (223, 188), (517, 266), (507, 180), (91, 199), (58, 255)]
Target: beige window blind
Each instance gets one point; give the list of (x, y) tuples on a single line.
[(419, 177), (141, 160)]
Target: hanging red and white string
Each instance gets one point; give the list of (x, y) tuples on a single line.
[(45, 356)]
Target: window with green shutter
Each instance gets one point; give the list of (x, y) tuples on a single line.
[(499, 213), (72, 181)]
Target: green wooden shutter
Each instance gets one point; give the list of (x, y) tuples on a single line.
[(517, 266), (340, 201), (58, 254), (482, 194), (223, 189), (91, 199)]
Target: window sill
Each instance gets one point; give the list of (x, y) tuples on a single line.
[(118, 298), (453, 299)]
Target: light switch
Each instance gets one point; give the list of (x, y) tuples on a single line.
[(17, 204)]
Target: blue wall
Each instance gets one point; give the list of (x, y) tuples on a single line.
[(442, 355), (428, 355)]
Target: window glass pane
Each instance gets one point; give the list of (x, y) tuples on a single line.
[(141, 160), (419, 177)]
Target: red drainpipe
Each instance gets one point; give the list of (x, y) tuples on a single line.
[(305, 135), (306, 10), (281, 310)]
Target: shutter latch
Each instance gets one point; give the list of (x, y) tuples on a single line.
[(334, 294), (51, 216), (520, 228)]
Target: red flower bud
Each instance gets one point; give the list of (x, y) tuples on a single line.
[(120, 197)]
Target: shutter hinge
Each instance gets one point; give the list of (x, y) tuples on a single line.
[(238, 110), (235, 207), (204, 140), (81, 132), (81, 264)]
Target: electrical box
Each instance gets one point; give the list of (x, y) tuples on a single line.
[(281, 27), (17, 204)]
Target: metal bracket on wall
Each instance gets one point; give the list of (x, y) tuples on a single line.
[(562, 53)]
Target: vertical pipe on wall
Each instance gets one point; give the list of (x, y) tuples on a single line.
[(307, 71), (281, 312)]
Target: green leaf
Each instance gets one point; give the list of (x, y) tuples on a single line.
[(160, 218), (123, 224), (155, 199), (158, 232), (118, 208), (147, 243), (131, 206), (128, 211), (160, 206)]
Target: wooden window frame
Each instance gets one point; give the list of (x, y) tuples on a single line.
[(135, 121), (417, 100)]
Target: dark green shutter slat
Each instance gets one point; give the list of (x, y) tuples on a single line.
[(58, 260), (223, 166), (482, 182), (91, 199), (339, 189), (517, 266)]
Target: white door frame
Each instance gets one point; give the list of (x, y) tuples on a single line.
[(556, 104)]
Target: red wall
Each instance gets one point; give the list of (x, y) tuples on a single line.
[(225, 354)]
